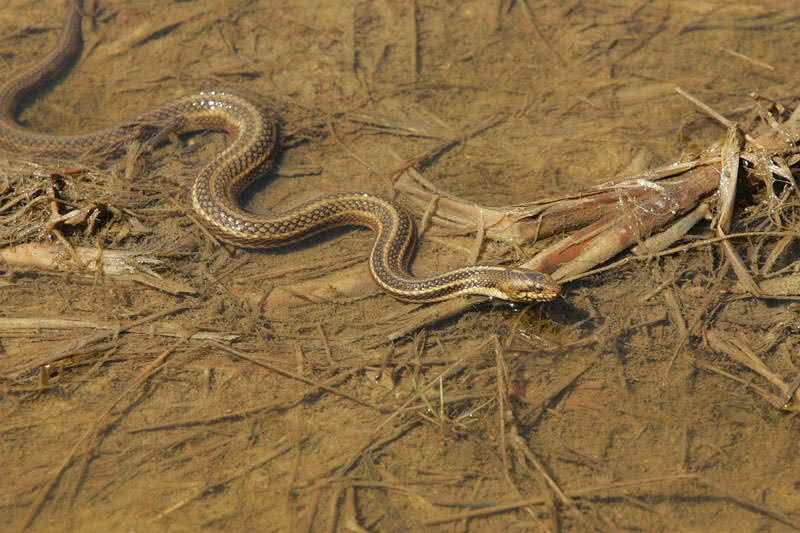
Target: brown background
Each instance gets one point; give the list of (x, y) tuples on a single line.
[(216, 442)]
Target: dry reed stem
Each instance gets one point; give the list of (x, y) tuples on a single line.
[(80, 345)]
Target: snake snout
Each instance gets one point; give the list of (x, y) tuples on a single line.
[(530, 286)]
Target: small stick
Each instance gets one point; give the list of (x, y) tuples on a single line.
[(532, 20), (747, 58), (729, 176), (675, 314), (348, 149), (430, 211), (565, 500), (296, 377), (49, 359), (479, 236), (728, 179), (502, 392), (325, 343), (719, 117)]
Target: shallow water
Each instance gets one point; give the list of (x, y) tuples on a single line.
[(603, 392)]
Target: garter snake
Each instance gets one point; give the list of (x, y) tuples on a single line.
[(215, 190)]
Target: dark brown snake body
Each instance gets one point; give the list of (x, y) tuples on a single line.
[(216, 189)]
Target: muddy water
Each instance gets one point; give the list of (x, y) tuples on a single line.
[(275, 420)]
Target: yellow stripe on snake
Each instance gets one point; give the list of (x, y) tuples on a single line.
[(215, 190)]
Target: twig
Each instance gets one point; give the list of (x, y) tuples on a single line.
[(719, 117), (747, 58), (296, 377), (50, 359)]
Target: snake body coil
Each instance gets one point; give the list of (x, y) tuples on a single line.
[(216, 189)]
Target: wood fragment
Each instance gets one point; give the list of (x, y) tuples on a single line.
[(747, 58)]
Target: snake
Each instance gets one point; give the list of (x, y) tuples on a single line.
[(248, 155)]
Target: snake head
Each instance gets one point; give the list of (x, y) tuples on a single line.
[(522, 285)]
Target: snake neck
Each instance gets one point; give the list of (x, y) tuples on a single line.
[(395, 240)]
